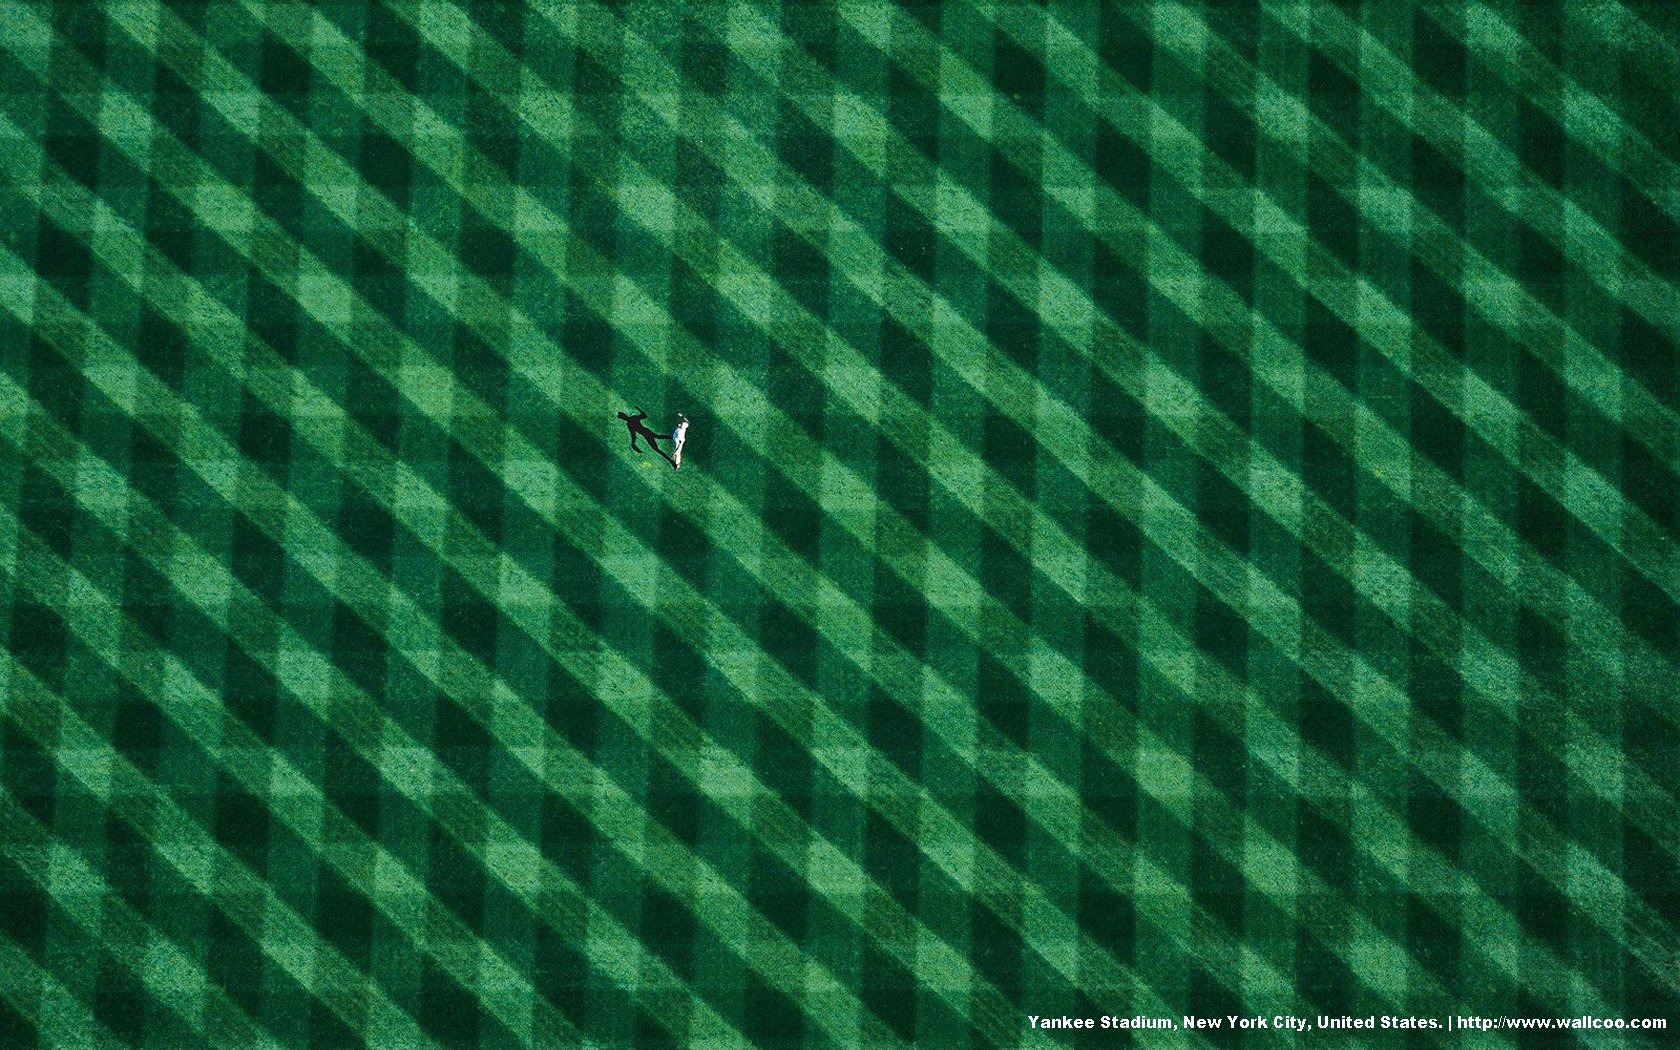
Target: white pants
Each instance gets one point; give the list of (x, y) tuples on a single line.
[(678, 436)]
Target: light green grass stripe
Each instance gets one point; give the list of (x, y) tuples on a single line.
[(479, 52), (1042, 671), (1265, 224), (1586, 119), (1382, 324), (167, 973), (1622, 30), (652, 714), (1376, 700), (943, 839), (410, 768), (1581, 113), (1280, 363), (480, 55), (1068, 820), (1540, 457), (1253, 470), (518, 727), (879, 135), (60, 1018), (225, 880), (289, 795), (721, 776), (1491, 670), (953, 858), (1389, 206)]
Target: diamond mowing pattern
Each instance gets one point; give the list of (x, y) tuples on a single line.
[(1181, 519)]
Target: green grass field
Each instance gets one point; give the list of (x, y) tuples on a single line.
[(1181, 520)]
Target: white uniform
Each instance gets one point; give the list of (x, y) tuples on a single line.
[(678, 436)]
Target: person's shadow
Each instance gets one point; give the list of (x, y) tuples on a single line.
[(639, 430)]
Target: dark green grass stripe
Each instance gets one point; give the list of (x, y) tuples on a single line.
[(640, 704), (665, 721), (479, 53), (692, 106), (422, 779), (1384, 453), (1484, 409), (935, 829), (1487, 667), (1067, 822), (169, 975), (283, 936), (290, 796), (944, 829), (1389, 206), (1557, 470), (1627, 34), (436, 791), (1376, 700), (325, 425), (1384, 715), (60, 1018), (1582, 114), (479, 56), (1374, 574)]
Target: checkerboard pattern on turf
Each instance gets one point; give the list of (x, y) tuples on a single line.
[(1181, 517)]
